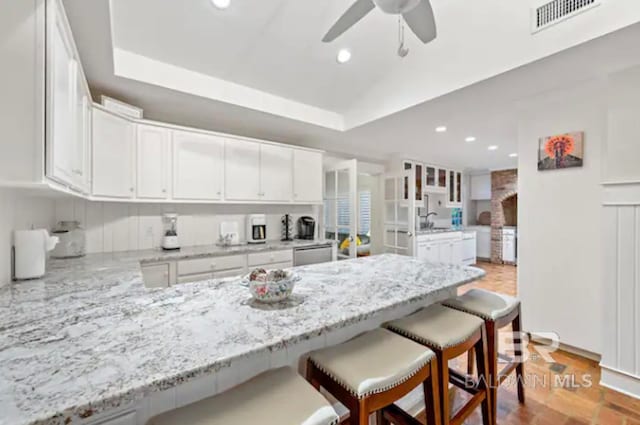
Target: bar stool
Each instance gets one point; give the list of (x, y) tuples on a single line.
[(374, 370), (498, 311), (276, 397), (451, 333)]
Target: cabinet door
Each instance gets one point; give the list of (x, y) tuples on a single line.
[(456, 252), (451, 187), (62, 103), (242, 170), (113, 155), (458, 188), (153, 162), (428, 252), (307, 176), (276, 166), (431, 176), (198, 166), (442, 178), (445, 252)]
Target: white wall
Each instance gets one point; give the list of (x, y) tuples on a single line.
[(20, 212), (559, 219), (114, 227)]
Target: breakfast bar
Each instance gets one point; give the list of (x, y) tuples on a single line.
[(91, 344)]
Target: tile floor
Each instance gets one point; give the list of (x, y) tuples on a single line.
[(552, 398)]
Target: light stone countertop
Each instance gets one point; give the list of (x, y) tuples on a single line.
[(90, 337)]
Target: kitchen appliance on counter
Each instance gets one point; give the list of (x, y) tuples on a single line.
[(72, 240), (170, 241), (312, 255), (229, 233), (30, 256), (287, 228), (306, 228), (256, 228)]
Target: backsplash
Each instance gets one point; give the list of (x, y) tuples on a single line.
[(114, 227)]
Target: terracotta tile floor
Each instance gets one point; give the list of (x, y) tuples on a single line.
[(549, 402)]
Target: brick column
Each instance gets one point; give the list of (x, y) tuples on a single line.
[(503, 185)]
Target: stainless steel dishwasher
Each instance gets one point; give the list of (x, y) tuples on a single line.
[(312, 255)]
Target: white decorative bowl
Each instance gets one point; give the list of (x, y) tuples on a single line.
[(272, 291)]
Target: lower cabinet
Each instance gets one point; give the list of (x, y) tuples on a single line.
[(441, 248), (165, 274)]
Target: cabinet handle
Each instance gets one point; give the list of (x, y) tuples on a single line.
[(164, 190), (130, 189), (218, 193)]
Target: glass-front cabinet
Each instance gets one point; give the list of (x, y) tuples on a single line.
[(454, 188)]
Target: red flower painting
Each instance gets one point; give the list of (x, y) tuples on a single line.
[(561, 151)]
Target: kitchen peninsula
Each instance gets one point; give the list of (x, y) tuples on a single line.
[(91, 344)]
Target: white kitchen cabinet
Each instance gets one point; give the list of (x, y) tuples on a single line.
[(67, 100), (509, 245), (481, 187), (454, 189), (114, 147), (156, 275), (469, 248), (428, 252), (198, 166), (242, 170), (153, 162), (307, 176), (276, 173), (435, 179), (456, 252)]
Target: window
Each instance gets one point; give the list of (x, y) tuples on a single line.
[(364, 212)]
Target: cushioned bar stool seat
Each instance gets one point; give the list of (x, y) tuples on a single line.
[(451, 333), (485, 304), (275, 397), (498, 311), (374, 370)]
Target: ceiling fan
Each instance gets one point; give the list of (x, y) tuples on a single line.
[(418, 15)]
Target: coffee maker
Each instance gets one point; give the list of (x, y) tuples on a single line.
[(256, 228), (306, 228)]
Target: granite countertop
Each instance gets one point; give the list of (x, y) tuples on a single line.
[(90, 337)]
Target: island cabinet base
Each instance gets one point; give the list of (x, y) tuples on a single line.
[(244, 369)]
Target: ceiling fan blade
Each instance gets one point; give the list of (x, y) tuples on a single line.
[(421, 21), (356, 12)]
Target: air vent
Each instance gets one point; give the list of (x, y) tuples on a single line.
[(557, 11)]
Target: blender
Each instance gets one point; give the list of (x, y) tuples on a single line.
[(170, 238)]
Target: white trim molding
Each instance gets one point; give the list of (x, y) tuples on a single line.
[(621, 287)]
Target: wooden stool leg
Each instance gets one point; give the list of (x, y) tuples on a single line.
[(443, 378), (311, 375), (380, 419), (471, 359), (517, 328), (362, 417), (432, 396), (482, 360), (492, 360)]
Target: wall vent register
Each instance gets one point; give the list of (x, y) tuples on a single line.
[(557, 11)]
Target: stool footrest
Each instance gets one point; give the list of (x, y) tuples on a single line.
[(461, 381), (396, 415)]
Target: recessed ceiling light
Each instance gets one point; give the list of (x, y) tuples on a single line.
[(470, 139), (221, 4), (344, 56), (492, 148), (513, 155), (441, 129)]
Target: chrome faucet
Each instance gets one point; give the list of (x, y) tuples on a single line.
[(430, 224)]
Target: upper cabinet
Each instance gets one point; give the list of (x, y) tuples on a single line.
[(258, 171), (481, 187), (68, 120), (114, 147), (242, 170), (276, 169), (307, 176), (436, 179), (153, 171), (454, 189), (198, 166)]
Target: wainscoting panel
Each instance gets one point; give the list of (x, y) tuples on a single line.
[(621, 275)]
